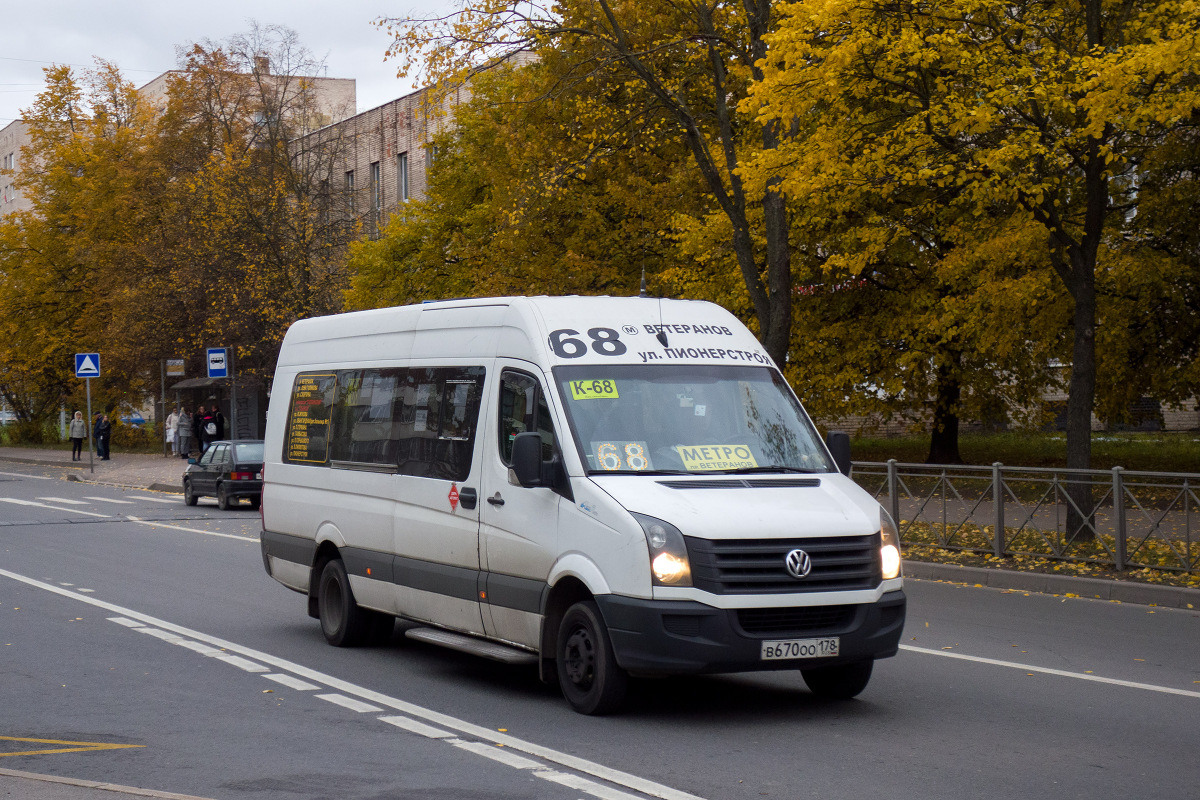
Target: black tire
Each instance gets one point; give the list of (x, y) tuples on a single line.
[(224, 501), (839, 682), (343, 622), (189, 496), (588, 674)]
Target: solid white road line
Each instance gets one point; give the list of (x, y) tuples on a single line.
[(575, 763), (1062, 673), (110, 500), (31, 477), (174, 502), (15, 501), (189, 530), (66, 500)]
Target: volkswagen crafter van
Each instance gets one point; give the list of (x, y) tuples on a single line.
[(600, 486)]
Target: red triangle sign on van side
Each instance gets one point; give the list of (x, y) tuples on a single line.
[(453, 496)]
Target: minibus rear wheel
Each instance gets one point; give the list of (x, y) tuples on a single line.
[(591, 680), (838, 682), (343, 621)]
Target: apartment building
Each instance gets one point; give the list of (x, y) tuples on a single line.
[(13, 137)]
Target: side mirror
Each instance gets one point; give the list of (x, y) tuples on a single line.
[(527, 459), (838, 443), (191, 461)]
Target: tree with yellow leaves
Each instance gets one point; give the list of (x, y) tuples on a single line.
[(1045, 112), (681, 68)]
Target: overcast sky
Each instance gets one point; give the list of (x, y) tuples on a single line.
[(140, 38)]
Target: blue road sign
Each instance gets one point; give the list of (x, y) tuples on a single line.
[(87, 365), (218, 362)]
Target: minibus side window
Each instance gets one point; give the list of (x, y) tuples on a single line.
[(523, 408), (366, 414), (437, 420), (306, 439)]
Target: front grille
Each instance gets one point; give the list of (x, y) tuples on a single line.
[(796, 621), (756, 566)]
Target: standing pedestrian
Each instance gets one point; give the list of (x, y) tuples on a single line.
[(77, 432), (103, 437), (219, 419), (183, 433), (173, 431), (198, 428)]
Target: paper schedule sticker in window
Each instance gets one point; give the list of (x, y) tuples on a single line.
[(716, 457), (594, 390), (308, 421)]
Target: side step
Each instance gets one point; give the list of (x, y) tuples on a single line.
[(469, 644)]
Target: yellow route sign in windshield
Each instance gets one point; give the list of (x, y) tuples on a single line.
[(716, 456), (593, 390)]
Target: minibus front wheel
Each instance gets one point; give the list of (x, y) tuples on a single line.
[(343, 621), (591, 680)]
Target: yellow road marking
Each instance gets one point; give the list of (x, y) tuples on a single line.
[(80, 747)]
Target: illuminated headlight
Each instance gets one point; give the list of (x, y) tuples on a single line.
[(669, 564), (889, 547)]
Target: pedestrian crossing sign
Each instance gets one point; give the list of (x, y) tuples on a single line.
[(87, 365)]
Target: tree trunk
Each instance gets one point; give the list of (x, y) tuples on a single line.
[(1081, 397), (943, 440)]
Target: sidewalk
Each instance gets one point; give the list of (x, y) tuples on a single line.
[(133, 470)]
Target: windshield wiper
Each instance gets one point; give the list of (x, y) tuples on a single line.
[(750, 470)]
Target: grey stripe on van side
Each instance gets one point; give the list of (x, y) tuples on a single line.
[(464, 583), (296, 549), (460, 582), (522, 594), (358, 561)]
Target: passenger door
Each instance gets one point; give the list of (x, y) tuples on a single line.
[(436, 567), (518, 526)]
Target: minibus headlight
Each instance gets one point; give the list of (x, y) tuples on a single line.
[(889, 547), (669, 564)]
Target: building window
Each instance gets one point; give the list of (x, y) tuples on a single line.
[(350, 189), (376, 193), (402, 177)]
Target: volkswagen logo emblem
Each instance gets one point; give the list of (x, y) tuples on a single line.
[(799, 563)]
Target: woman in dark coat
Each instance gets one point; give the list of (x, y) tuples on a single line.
[(103, 435)]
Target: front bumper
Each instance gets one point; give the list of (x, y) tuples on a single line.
[(659, 637)]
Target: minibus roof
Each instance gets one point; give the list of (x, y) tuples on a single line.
[(548, 330)]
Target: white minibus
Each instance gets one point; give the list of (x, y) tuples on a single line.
[(604, 487)]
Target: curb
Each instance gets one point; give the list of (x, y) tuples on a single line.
[(132, 791), (1098, 588)]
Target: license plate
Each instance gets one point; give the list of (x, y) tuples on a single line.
[(800, 648)]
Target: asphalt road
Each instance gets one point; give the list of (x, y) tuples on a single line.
[(142, 642)]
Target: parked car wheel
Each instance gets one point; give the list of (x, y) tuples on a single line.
[(189, 496), (591, 680), (224, 501)]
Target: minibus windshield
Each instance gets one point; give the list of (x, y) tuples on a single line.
[(687, 419)]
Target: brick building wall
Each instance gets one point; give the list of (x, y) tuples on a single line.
[(378, 159)]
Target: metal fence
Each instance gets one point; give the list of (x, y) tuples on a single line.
[(1126, 519)]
